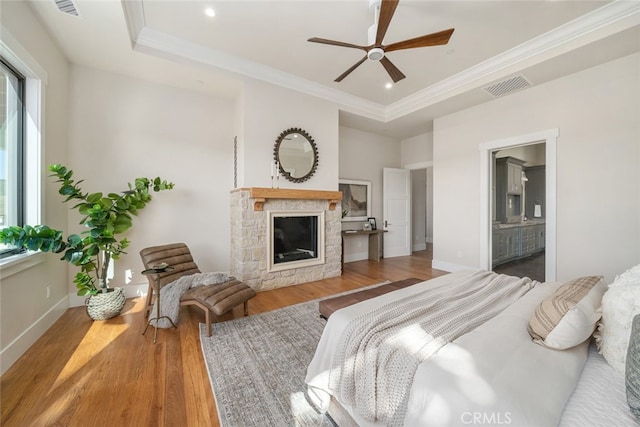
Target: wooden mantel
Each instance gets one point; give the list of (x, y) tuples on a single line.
[(261, 195)]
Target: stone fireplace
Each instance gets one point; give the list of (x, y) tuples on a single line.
[(262, 219)]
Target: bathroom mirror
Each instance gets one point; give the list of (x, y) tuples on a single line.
[(297, 155)]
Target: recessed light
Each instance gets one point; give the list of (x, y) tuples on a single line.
[(210, 12), (388, 85)]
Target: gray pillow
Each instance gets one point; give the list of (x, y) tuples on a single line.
[(633, 368)]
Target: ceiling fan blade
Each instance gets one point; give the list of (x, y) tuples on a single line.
[(335, 43), (346, 73), (387, 9), (434, 39), (395, 74)]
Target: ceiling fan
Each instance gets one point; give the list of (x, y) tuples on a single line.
[(383, 12)]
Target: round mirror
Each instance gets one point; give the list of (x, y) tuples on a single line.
[(296, 154)]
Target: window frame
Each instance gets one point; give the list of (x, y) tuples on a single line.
[(20, 165), (36, 80)]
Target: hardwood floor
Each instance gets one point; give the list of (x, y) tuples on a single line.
[(105, 373)]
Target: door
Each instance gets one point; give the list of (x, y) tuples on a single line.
[(396, 211)]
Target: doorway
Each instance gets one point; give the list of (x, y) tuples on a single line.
[(518, 207), (549, 138), (422, 210)]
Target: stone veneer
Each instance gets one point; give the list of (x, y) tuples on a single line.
[(249, 242)]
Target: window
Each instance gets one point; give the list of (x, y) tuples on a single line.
[(12, 148)]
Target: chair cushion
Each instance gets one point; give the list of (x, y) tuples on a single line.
[(222, 297)]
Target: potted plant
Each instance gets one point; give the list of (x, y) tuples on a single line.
[(105, 217)]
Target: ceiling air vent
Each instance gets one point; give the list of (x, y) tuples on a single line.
[(510, 85), (67, 6)]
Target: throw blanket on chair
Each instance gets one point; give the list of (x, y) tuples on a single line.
[(171, 293), (379, 351)]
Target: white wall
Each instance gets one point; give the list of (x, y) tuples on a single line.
[(363, 155), (25, 311), (269, 110), (124, 128), (598, 179), (417, 149)]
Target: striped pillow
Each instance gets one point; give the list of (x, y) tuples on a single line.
[(569, 316)]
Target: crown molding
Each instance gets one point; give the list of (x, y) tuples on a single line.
[(134, 17), (148, 40), (607, 20)]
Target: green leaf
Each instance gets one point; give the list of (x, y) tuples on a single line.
[(74, 240), (94, 198), (122, 224), (67, 190), (106, 202), (122, 205)]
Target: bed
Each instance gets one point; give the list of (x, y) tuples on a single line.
[(491, 374)]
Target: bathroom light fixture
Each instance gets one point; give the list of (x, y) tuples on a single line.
[(210, 12)]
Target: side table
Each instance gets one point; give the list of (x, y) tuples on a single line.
[(156, 289)]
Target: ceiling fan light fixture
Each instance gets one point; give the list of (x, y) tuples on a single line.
[(376, 49), (375, 54)]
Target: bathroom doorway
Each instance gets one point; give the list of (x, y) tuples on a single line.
[(487, 197), (518, 207)]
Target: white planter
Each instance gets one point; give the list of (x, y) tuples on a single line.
[(105, 305)]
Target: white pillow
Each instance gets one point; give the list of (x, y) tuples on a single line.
[(568, 317), (620, 303), (580, 321)]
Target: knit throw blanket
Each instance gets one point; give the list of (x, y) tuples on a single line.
[(171, 293), (379, 351)]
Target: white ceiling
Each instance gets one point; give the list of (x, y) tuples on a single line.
[(174, 42)]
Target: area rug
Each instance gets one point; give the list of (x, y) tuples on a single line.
[(257, 365)]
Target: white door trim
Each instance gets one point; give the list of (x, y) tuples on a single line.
[(549, 137), (421, 165)]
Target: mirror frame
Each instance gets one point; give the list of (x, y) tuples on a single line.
[(276, 154)]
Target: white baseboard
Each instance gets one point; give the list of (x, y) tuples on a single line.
[(130, 291), (12, 352), (449, 266)]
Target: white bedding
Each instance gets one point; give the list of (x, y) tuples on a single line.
[(599, 398), (318, 371), (494, 375), (382, 349)]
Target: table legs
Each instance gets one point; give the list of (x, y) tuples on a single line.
[(157, 318)]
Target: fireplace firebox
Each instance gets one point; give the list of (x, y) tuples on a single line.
[(296, 239)]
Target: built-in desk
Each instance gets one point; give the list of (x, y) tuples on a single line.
[(375, 242)]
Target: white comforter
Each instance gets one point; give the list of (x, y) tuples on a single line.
[(494, 375)]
